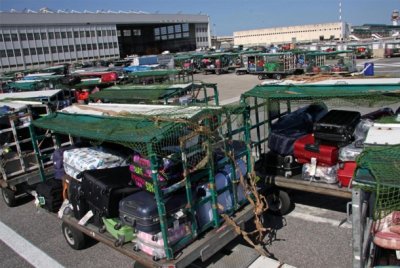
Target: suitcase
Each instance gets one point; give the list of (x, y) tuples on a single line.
[(305, 149), (139, 210), (277, 165), (122, 233), (383, 134), (361, 130), (281, 142), (81, 159), (51, 192), (77, 199), (157, 252), (301, 119), (336, 127), (350, 152), (104, 188), (346, 172), (170, 173), (320, 173), (386, 231), (156, 240), (378, 114)]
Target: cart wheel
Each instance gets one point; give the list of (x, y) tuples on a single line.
[(279, 202), (102, 229), (155, 258), (260, 77), (9, 197), (154, 238), (278, 76), (75, 239)]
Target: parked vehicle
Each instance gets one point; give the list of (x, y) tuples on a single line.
[(361, 51), (392, 49)]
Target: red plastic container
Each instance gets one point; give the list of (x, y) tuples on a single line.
[(345, 172)]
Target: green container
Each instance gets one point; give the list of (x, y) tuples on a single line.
[(122, 233)]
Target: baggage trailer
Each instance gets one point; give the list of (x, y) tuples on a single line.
[(219, 63), (19, 166), (146, 128), (268, 104)]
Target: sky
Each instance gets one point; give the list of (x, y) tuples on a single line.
[(228, 16)]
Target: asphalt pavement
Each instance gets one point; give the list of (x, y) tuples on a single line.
[(313, 234)]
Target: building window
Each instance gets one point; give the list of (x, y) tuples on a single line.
[(43, 36), (118, 33), (137, 32), (108, 32), (178, 28), (65, 48), (69, 34), (185, 27), (113, 32), (3, 54), (6, 37), (78, 47), (81, 34), (22, 37), (115, 45), (30, 36), (156, 31), (98, 32), (89, 46), (87, 33), (46, 50), (25, 51), (92, 33), (171, 36), (127, 32), (104, 32), (59, 49), (33, 51), (100, 46), (94, 46), (84, 47), (39, 50), (71, 48), (170, 29), (17, 52), (76, 34), (178, 35), (57, 35), (186, 34), (10, 53), (51, 35), (63, 35), (163, 30), (14, 37), (105, 45), (53, 49)]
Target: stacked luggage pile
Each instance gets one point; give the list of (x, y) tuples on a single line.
[(159, 197), (320, 145)]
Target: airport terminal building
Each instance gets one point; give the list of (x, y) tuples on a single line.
[(32, 40), (292, 34)]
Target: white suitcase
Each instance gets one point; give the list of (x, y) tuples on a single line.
[(383, 134)]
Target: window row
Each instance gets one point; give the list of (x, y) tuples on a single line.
[(50, 62), (55, 49), (201, 29), (202, 39), (54, 35), (129, 32), (171, 29), (171, 36), (289, 32)]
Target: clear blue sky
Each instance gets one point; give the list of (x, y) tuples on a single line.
[(235, 15)]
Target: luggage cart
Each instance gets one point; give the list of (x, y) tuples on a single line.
[(200, 242), (269, 103)]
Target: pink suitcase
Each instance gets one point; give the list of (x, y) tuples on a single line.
[(156, 240)]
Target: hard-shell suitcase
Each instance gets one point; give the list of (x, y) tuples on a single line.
[(350, 152), (305, 148), (383, 134), (122, 233), (51, 192), (104, 188), (281, 142), (77, 199), (157, 252), (346, 172), (277, 165), (336, 127), (139, 210), (156, 240)]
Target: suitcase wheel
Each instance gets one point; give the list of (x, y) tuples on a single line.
[(119, 242), (154, 238), (136, 247), (156, 258), (117, 226), (102, 229)]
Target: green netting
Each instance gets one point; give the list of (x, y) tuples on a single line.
[(27, 86), (132, 96), (153, 73), (384, 165)]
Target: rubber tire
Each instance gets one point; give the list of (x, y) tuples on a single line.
[(118, 243), (102, 229), (9, 197), (75, 238), (278, 76), (284, 203), (260, 77)]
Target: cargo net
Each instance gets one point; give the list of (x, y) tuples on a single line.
[(384, 165)]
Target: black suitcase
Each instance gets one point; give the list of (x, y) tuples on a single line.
[(281, 142), (104, 188), (77, 199), (51, 191), (277, 165), (139, 210), (336, 127), (378, 114)]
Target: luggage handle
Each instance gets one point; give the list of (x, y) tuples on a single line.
[(312, 148), (128, 220)]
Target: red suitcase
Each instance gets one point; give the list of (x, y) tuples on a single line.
[(305, 149), (345, 172)]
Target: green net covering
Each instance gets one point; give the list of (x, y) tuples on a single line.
[(384, 165)]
